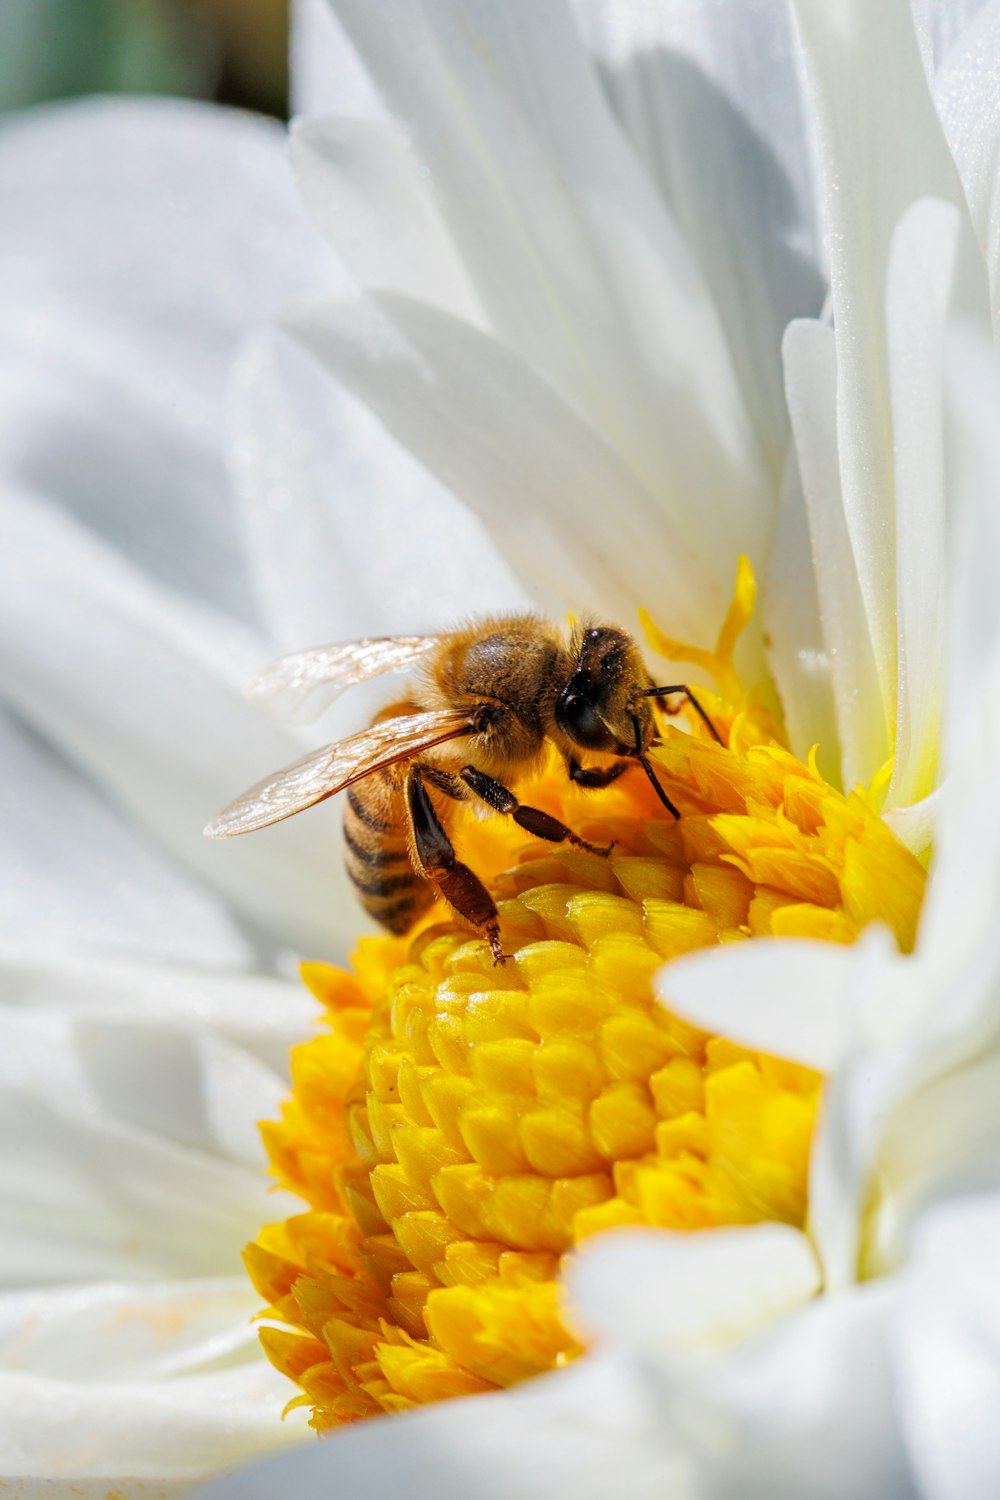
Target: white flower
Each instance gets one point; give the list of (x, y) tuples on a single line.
[(130, 1083), (620, 353), (573, 296)]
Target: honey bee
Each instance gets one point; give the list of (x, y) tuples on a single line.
[(489, 700)]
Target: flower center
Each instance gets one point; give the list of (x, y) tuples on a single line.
[(458, 1128)]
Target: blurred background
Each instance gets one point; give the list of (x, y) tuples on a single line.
[(234, 51)]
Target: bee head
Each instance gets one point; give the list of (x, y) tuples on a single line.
[(596, 708)]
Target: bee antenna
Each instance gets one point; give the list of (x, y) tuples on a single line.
[(681, 687), (641, 758)]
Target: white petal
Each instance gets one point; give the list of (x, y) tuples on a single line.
[(789, 996), (972, 387), (968, 97), (942, 25), (369, 193), (793, 629), (810, 1408), (75, 874), (125, 1367), (264, 1017), (326, 72), (91, 1199), (126, 282), (589, 1431), (660, 1292), (140, 690), (948, 1353), (960, 916), (856, 1013), (715, 112), (940, 1140), (915, 826), (855, 1101), (812, 383), (138, 1439), (882, 148), (803, 999), (935, 271), (566, 512), (135, 1331), (806, 1409), (98, 1184), (593, 286), (190, 1087), (350, 536)]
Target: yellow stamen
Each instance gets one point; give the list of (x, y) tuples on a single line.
[(458, 1128), (718, 664)]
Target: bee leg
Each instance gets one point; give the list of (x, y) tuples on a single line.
[(595, 776), (459, 886), (644, 762), (531, 819)]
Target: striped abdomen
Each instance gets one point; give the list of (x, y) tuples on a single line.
[(375, 852), (389, 888)]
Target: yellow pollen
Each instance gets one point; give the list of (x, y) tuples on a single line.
[(458, 1128)]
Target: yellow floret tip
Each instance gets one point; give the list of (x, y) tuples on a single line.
[(457, 1129), (718, 664)]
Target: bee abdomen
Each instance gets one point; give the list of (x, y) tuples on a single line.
[(376, 858)]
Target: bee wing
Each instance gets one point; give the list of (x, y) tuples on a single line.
[(297, 688), (331, 768)]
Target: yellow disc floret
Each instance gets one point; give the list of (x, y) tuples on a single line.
[(458, 1128)]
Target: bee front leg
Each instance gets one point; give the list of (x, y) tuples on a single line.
[(459, 885), (595, 776), (531, 819)]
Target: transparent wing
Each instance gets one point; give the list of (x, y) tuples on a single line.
[(297, 688), (331, 768)]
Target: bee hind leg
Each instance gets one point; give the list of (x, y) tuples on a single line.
[(541, 824), (459, 885)]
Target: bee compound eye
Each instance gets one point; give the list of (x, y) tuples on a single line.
[(578, 718)]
